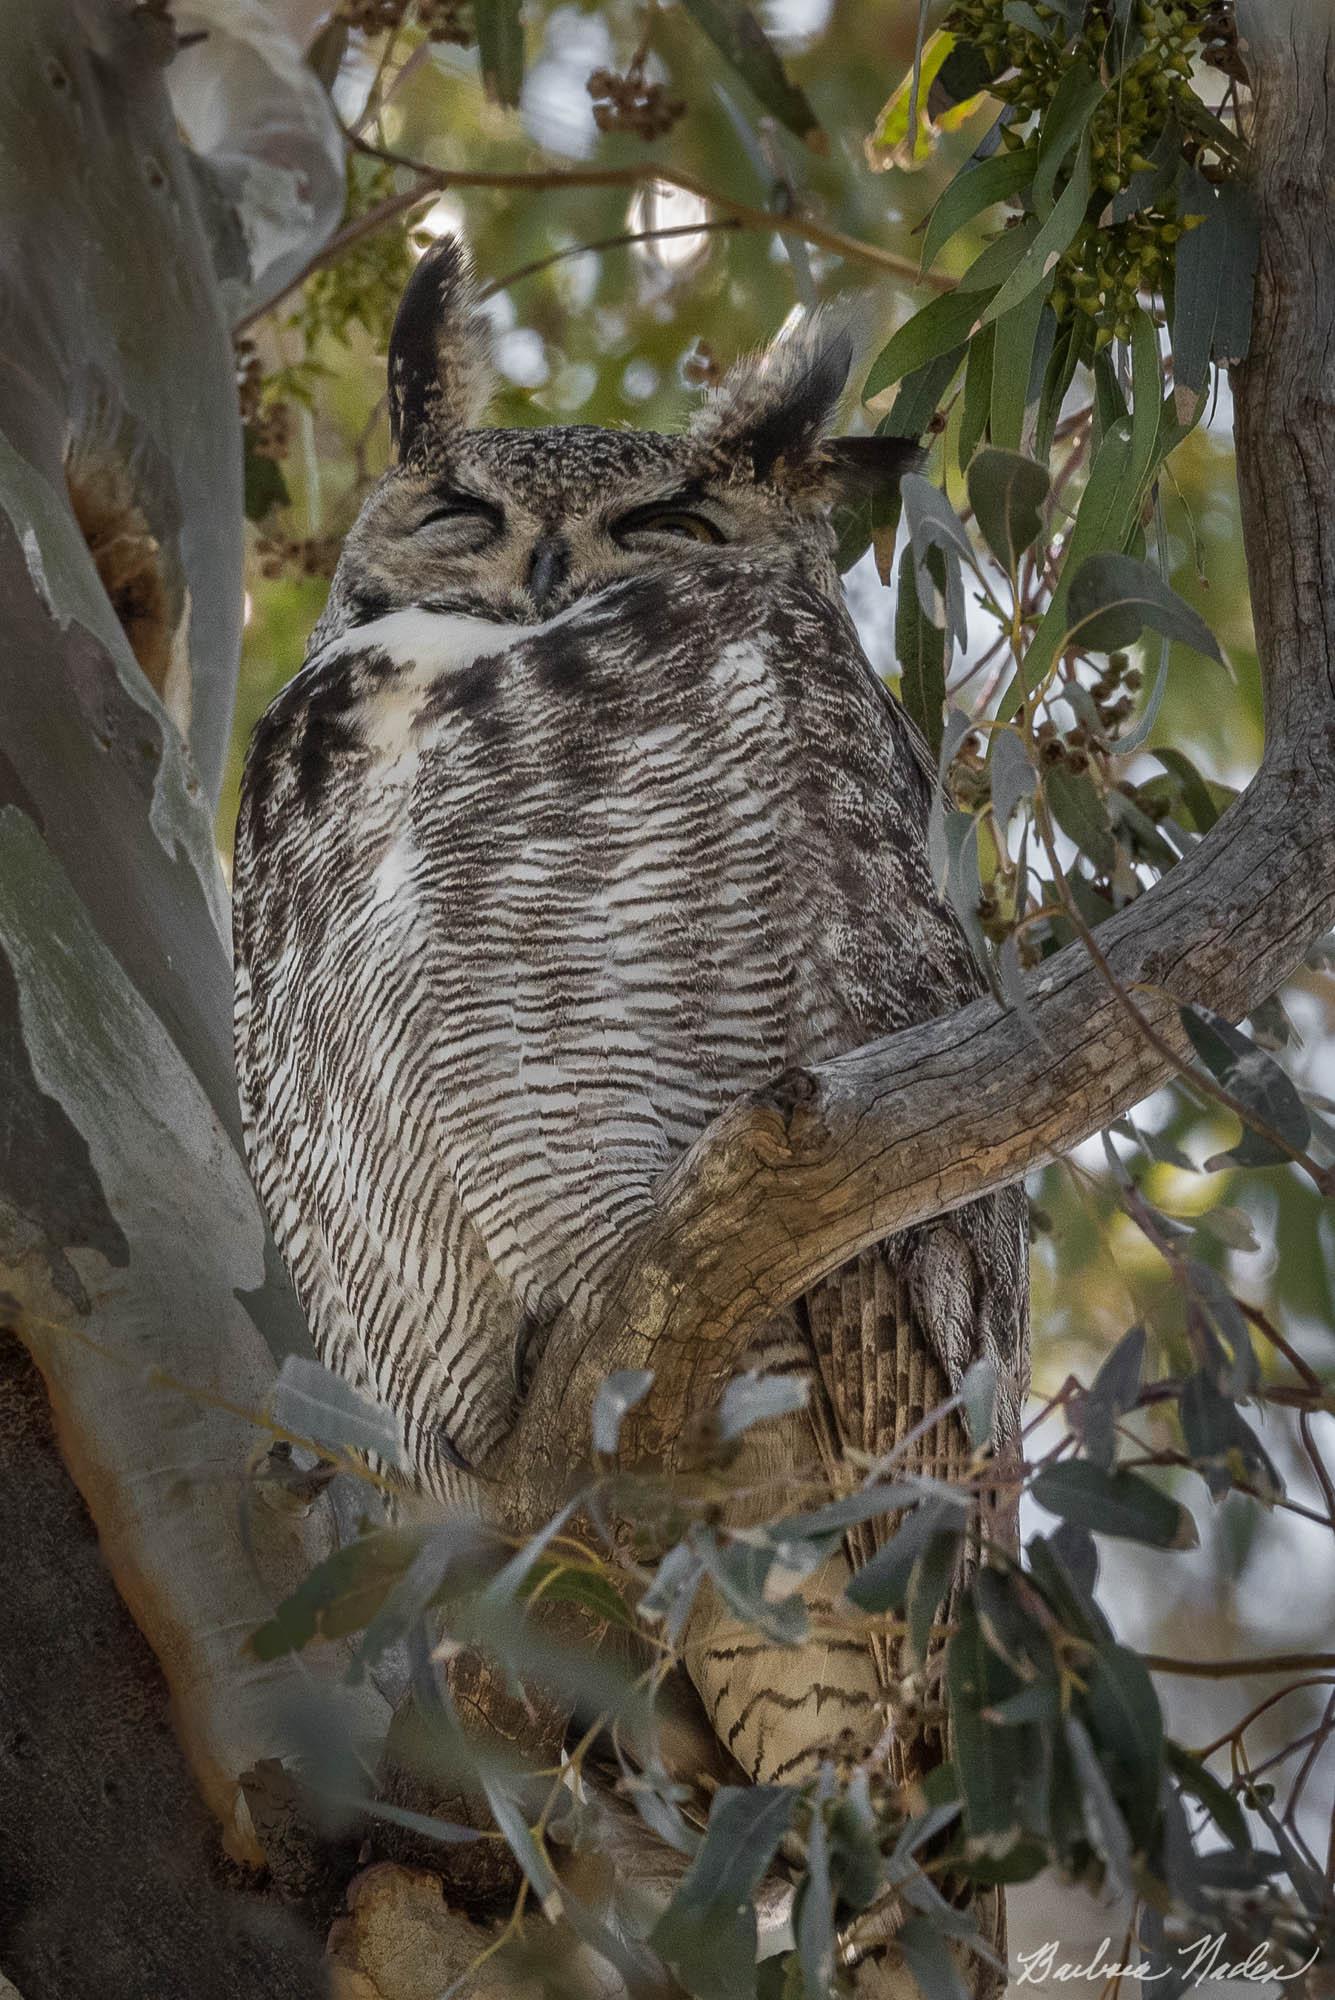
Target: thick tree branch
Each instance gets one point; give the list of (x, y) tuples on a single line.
[(794, 1180)]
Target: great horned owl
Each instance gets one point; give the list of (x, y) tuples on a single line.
[(584, 815)]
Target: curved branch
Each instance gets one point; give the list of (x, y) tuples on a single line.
[(642, 174), (794, 1180)]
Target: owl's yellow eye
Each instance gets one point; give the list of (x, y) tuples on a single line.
[(679, 521)]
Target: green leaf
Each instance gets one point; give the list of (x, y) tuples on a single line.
[(919, 396), (1114, 1503), (740, 1573), (999, 259), (1007, 492), (934, 524), (942, 325), (1221, 1315), (1223, 1446), (707, 1934), (988, 1758), (311, 1401), (1214, 276), (755, 1398), (1195, 792), (883, 1583), (815, 1911), (1103, 1821), (1223, 1808), (916, 112), (1057, 379), (1077, 806), (1013, 368), (341, 1595), (920, 647), (1255, 1079), (1051, 238), (264, 485), (1013, 775), (977, 410), (973, 189), (870, 1503), (743, 43), (930, 1960), (933, 1573), (857, 1866), (1122, 1712), (1111, 1394), (1057, 1566), (672, 1591), (617, 1394), (500, 47), (563, 1583), (1112, 598), (1064, 125)]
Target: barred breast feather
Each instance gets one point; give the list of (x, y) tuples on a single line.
[(519, 911)]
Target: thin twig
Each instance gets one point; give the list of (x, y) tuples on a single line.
[(1225, 1670), (621, 241)]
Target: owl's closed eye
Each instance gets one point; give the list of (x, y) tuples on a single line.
[(517, 524)]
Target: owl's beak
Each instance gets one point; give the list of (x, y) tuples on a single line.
[(548, 568)]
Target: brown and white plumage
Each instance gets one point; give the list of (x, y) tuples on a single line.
[(572, 828)]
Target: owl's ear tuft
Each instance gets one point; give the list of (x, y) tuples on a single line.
[(440, 373), (861, 467), (768, 418)]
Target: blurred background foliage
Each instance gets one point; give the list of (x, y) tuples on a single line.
[(625, 335)]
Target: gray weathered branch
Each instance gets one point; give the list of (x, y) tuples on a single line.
[(794, 1180)]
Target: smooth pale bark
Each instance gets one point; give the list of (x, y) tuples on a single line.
[(134, 1263)]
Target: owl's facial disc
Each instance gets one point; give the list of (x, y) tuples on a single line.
[(516, 525)]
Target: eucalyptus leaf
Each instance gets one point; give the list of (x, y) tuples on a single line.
[(1013, 775), (973, 189), (988, 1758), (738, 36), (883, 1583), (815, 1915), (1112, 598), (500, 46), (1121, 1710), (753, 1398), (1195, 1778), (1007, 493), (1223, 1446), (1253, 1077), (934, 524), (941, 326), (920, 647), (931, 1961), (1114, 1503), (1103, 1820), (310, 1400), (977, 409), (1049, 240), (1064, 124), (707, 1934), (1076, 804), (617, 1393)]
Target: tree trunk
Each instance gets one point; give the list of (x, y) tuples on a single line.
[(134, 1265)]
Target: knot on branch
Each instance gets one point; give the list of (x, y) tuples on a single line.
[(791, 1102)]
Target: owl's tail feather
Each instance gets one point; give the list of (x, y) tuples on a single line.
[(845, 1696)]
